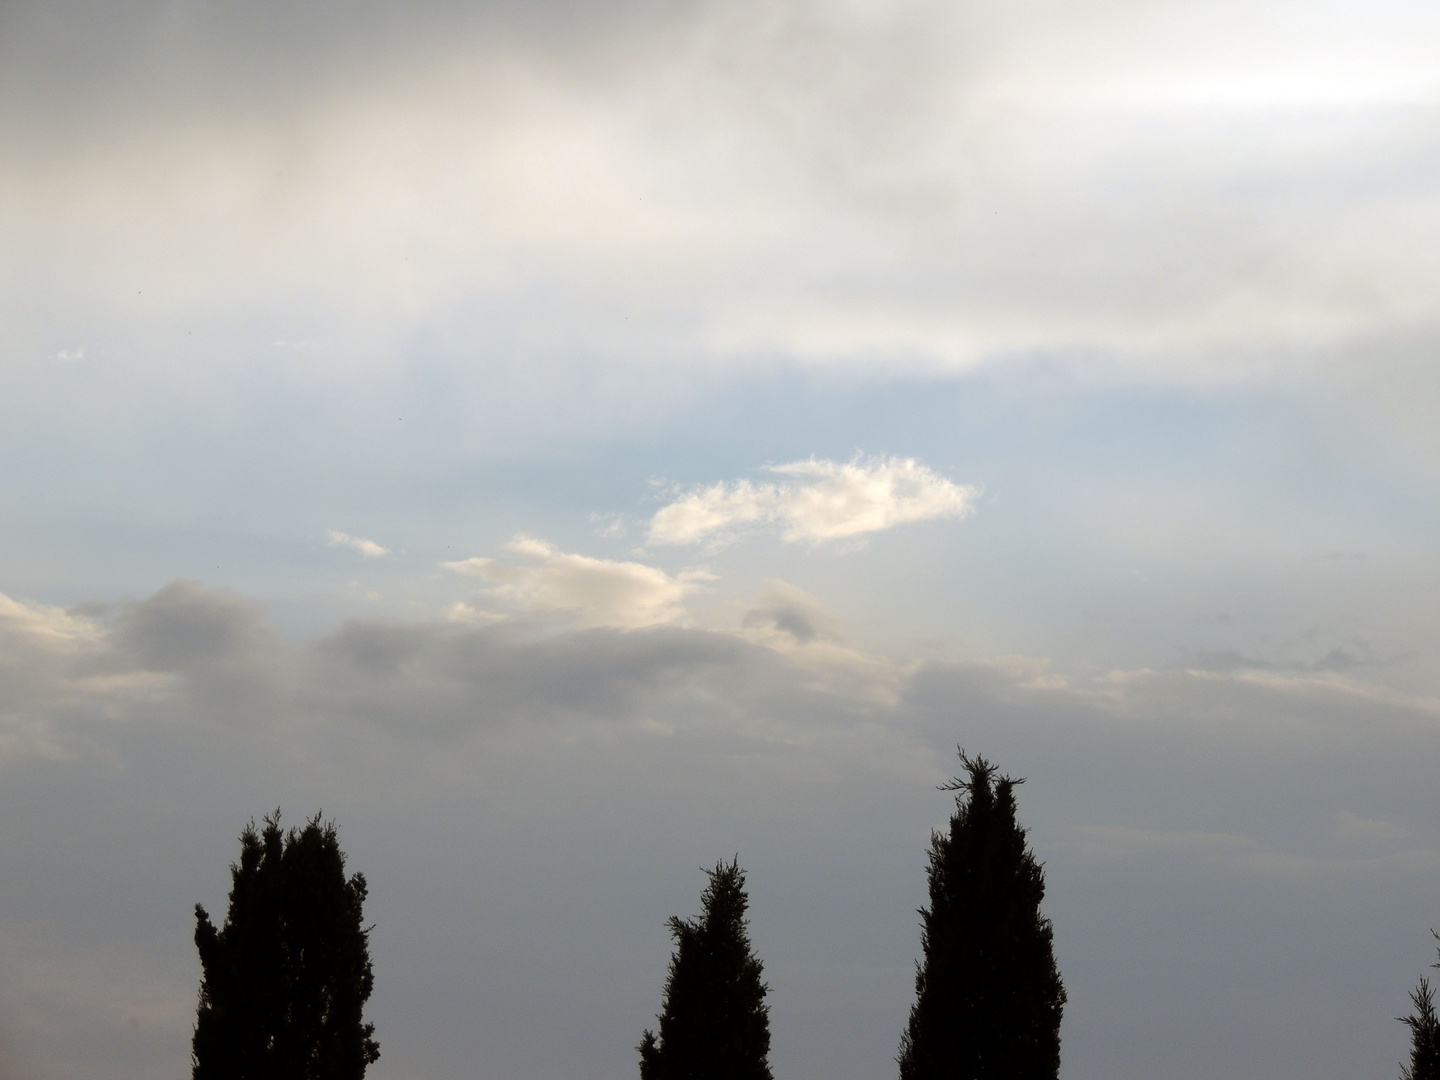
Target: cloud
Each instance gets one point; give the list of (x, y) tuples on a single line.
[(188, 627), (32, 626), (462, 612), (41, 650), (596, 592), (916, 181), (368, 548), (191, 655), (815, 644), (818, 500), (196, 662), (783, 609), (1336, 659)]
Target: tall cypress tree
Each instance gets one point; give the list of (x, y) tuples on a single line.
[(285, 980), (714, 1024), (988, 998), (1424, 1033)]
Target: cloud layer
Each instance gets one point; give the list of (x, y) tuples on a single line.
[(817, 501), (596, 592), (189, 647), (1114, 185)]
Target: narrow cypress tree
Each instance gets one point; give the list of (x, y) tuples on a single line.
[(1424, 1033), (285, 980), (715, 1024), (988, 998)]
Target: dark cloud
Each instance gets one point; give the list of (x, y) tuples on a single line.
[(75, 65), (787, 618), (187, 628), (1229, 661), (202, 654), (792, 612), (191, 656), (204, 663), (439, 679)]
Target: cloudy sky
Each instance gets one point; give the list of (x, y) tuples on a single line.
[(573, 443)]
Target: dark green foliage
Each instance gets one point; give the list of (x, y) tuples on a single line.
[(715, 1024), (988, 998), (1424, 1033), (286, 979)]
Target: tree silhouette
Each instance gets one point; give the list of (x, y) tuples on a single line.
[(286, 979), (988, 998), (1424, 1033), (714, 1024)]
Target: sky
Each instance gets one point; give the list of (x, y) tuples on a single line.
[(572, 444)]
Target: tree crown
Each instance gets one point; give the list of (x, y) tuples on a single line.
[(988, 997), (1424, 1027), (714, 1024), (286, 978)]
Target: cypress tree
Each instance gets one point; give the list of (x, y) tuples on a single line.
[(714, 1024), (285, 980), (1424, 1033), (988, 997)]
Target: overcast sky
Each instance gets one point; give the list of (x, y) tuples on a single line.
[(574, 443)]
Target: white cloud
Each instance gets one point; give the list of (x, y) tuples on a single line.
[(41, 623), (369, 548), (817, 500), (597, 592), (608, 526), (461, 612), (52, 672), (524, 544)]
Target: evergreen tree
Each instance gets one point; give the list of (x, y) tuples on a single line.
[(715, 1024), (1424, 1033), (988, 998), (286, 979)]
